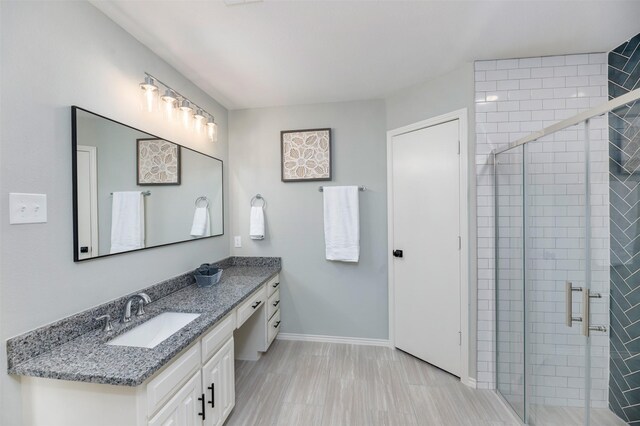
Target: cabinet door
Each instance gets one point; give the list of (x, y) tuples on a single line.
[(218, 382), (229, 379), (184, 408)]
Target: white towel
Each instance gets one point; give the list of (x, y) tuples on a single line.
[(341, 223), (201, 226), (256, 223), (127, 221)]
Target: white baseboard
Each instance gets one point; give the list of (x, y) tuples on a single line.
[(333, 339), (471, 382)]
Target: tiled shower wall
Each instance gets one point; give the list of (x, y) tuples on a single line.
[(624, 169), (513, 99)]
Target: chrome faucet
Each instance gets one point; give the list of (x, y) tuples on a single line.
[(144, 299)]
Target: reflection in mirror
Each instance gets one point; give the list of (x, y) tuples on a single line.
[(134, 190)]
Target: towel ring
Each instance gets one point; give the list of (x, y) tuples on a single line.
[(258, 197), (199, 199)]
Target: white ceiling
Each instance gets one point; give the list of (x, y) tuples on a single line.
[(300, 52)]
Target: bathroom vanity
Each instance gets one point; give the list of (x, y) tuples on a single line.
[(187, 379)]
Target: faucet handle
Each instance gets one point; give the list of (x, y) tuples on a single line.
[(107, 323), (140, 312)]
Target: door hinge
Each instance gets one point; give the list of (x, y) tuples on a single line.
[(459, 243), (458, 147), (460, 335)]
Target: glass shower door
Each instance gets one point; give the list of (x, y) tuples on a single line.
[(556, 279)]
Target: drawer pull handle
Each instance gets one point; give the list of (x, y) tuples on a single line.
[(276, 303), (203, 407), (276, 324), (212, 388), (255, 305), (275, 285)]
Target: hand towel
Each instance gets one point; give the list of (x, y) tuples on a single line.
[(201, 226), (256, 223), (127, 221), (341, 223)]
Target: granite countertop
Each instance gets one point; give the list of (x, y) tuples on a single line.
[(88, 359)]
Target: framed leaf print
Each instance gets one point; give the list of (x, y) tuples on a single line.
[(158, 162), (306, 155)]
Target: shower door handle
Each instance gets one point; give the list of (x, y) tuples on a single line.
[(569, 289), (586, 303)]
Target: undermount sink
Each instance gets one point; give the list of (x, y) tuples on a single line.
[(153, 332)]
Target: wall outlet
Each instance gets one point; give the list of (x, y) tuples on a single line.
[(237, 241), (27, 208)]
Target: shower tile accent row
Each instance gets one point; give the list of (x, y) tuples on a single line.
[(624, 172), (514, 98)]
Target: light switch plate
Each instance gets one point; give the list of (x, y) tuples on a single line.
[(237, 241), (27, 208)]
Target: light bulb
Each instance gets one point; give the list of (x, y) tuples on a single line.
[(185, 109), (169, 98), (212, 130), (199, 119), (149, 94)]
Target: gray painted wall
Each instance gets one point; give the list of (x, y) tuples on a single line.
[(449, 92), (54, 55), (318, 296)]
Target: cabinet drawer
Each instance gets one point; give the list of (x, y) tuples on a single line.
[(273, 328), (214, 339), (273, 304), (251, 305), (273, 285), (167, 382)]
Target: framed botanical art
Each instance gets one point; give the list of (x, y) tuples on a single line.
[(158, 162), (305, 155)]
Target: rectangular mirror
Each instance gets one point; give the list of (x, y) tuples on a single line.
[(133, 190)]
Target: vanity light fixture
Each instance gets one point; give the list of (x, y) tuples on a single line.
[(173, 100)]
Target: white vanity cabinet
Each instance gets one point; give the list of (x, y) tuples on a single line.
[(197, 388)]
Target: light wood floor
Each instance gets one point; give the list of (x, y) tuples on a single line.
[(307, 384)]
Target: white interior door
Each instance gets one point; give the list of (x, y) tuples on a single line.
[(87, 187), (426, 227)]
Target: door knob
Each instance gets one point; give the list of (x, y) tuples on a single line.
[(397, 253)]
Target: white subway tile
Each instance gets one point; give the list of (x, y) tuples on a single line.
[(496, 75), (504, 64), (553, 82), (577, 59), (488, 86), (566, 71), (519, 74), (542, 93), (508, 85), (531, 83), (592, 69), (577, 81), (553, 61)]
